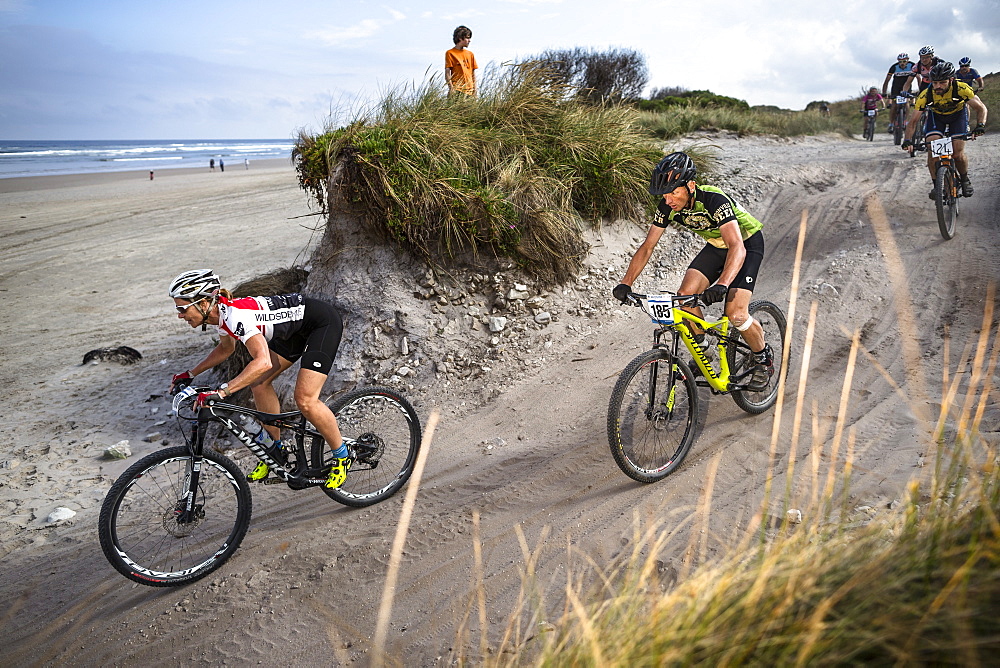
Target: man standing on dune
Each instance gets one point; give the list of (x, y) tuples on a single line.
[(460, 64)]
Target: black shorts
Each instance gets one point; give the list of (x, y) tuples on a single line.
[(318, 339), (711, 260)]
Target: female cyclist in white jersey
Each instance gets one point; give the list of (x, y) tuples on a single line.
[(277, 331)]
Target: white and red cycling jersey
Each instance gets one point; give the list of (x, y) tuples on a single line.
[(276, 317)]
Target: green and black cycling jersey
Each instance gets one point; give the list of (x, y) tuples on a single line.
[(710, 210)]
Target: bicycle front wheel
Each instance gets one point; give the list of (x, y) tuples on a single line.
[(772, 320), (142, 529), (651, 417), (898, 127), (384, 431), (945, 201)]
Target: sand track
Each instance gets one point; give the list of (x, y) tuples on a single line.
[(306, 582)]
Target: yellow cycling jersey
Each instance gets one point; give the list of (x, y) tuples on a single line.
[(953, 99)]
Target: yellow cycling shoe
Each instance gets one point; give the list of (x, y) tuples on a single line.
[(338, 472), (258, 473)]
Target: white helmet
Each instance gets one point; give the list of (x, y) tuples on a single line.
[(195, 284), (927, 50)]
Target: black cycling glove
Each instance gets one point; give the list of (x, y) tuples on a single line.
[(980, 130), (621, 292), (907, 143), (714, 294)]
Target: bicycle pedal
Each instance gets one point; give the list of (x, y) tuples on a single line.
[(275, 480)]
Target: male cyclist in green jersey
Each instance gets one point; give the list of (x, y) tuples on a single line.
[(948, 102), (725, 269)]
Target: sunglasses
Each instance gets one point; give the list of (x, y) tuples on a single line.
[(184, 307)]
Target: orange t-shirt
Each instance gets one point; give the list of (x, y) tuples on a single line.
[(462, 64)]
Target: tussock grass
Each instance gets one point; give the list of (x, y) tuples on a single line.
[(513, 172), (680, 120)]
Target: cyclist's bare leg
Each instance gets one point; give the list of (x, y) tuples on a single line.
[(738, 312), (308, 386), (931, 160), (265, 398), (961, 160), (693, 283)]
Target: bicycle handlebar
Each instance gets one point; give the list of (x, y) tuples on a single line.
[(635, 299)]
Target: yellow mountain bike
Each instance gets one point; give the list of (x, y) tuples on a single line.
[(652, 416)]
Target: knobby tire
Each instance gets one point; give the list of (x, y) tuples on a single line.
[(945, 201), (387, 431), (898, 127), (772, 320), (648, 442), (139, 529)]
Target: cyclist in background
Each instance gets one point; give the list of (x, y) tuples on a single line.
[(901, 73), (922, 68), (276, 331), (725, 269), (871, 101), (968, 75), (948, 102)]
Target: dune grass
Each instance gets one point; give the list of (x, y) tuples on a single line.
[(680, 120), (513, 172)]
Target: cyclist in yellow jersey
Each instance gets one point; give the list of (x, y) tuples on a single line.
[(725, 269), (948, 102)]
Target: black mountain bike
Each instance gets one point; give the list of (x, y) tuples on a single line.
[(176, 515), (918, 135), (869, 131), (899, 118)]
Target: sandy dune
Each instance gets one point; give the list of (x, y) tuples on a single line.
[(84, 266)]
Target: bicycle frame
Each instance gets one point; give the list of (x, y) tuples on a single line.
[(304, 473), (679, 323)]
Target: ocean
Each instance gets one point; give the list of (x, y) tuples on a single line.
[(38, 158)]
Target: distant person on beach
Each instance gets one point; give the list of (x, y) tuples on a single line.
[(222, 165), (211, 164), (277, 331), (246, 163), (460, 64)]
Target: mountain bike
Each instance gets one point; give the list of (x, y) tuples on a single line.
[(899, 117), (654, 405), (947, 183), (918, 135), (869, 131), (176, 515)]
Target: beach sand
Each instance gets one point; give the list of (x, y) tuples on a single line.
[(85, 263)]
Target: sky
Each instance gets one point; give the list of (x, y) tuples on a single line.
[(221, 69)]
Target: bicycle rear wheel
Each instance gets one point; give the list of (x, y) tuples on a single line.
[(772, 320), (384, 432), (870, 134), (651, 421), (945, 201), (140, 525)]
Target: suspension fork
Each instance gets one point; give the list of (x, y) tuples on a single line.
[(654, 374), (186, 509)]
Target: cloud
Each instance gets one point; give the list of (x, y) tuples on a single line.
[(338, 36)]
